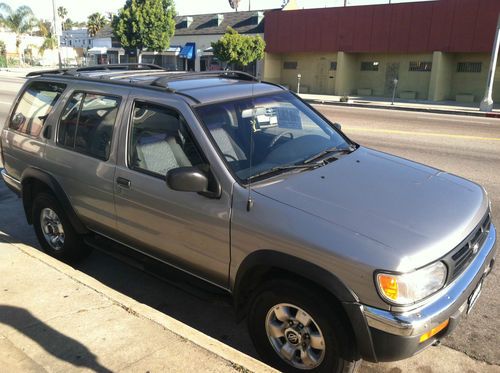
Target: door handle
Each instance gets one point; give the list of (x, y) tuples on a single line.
[(125, 183)]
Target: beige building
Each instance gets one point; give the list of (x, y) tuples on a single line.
[(436, 50)]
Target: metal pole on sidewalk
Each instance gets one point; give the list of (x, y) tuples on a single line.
[(487, 103), (55, 32)]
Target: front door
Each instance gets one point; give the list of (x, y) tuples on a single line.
[(391, 73), (184, 229)]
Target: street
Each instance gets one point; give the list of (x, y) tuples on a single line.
[(465, 146)]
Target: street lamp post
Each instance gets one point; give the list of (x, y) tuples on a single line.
[(55, 32), (394, 84), (487, 103), (298, 83)]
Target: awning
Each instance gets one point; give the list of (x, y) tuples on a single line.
[(97, 50), (188, 51), (171, 51), (208, 51)]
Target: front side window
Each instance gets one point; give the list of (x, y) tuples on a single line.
[(159, 141), (34, 107), (261, 134), (87, 123)]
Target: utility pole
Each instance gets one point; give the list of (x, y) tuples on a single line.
[(55, 33), (487, 103)]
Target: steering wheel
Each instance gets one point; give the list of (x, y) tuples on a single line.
[(279, 136)]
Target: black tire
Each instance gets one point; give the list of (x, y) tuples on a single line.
[(340, 350), (73, 249)]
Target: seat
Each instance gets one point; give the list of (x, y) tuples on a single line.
[(229, 148), (156, 153)]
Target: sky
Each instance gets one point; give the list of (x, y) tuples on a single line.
[(78, 10)]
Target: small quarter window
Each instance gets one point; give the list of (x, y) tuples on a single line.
[(34, 106), (87, 124)]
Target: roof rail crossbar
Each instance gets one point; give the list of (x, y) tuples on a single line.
[(42, 72), (119, 66), (163, 81), (77, 70)]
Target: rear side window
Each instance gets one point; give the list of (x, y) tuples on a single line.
[(87, 123), (34, 106)]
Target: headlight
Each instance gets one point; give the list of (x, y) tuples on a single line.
[(409, 288)]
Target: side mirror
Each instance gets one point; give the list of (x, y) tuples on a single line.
[(187, 179), (337, 126)]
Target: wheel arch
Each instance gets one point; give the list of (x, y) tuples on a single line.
[(266, 264), (34, 180)]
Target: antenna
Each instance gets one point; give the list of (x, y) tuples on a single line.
[(252, 129)]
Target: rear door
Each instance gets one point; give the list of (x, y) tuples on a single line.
[(81, 152), (187, 230)]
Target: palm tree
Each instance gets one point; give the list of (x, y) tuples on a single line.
[(62, 12), (19, 21), (95, 22), (49, 41)]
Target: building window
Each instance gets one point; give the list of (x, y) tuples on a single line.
[(420, 66), (469, 67), (369, 65), (290, 65), (333, 65)]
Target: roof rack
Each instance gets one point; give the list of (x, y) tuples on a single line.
[(76, 71), (163, 81)]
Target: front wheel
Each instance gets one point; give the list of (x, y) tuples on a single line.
[(294, 331)]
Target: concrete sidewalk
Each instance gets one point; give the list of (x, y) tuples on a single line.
[(441, 107), (58, 319), (55, 318)]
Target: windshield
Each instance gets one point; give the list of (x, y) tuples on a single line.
[(280, 129)]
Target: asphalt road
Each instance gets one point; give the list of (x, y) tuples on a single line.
[(466, 146)]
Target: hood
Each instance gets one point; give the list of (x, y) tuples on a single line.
[(417, 212)]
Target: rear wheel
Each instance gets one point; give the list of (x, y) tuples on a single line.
[(295, 331), (55, 232)]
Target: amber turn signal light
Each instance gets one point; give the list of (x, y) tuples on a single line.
[(389, 285), (434, 331)]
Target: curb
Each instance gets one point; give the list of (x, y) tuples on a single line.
[(239, 360), (403, 108)]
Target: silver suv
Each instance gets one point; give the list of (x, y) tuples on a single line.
[(332, 251)]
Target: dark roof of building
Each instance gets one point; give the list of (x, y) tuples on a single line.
[(105, 32), (249, 22)]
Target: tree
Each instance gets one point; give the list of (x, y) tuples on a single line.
[(234, 48), (62, 12), (45, 30), (95, 22), (145, 24), (19, 21), (234, 4), (69, 24)]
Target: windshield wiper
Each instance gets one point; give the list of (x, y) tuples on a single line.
[(282, 168), (320, 157)]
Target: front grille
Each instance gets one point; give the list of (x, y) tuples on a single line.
[(460, 258)]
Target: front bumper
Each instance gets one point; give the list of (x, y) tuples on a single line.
[(396, 336)]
